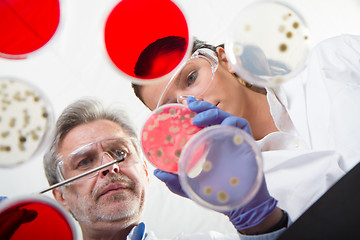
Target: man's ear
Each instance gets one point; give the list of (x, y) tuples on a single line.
[(223, 59), (59, 197)]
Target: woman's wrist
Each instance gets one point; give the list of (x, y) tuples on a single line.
[(278, 219)]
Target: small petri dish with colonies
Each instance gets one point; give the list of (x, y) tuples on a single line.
[(268, 43), (26, 118), (220, 168), (165, 133)]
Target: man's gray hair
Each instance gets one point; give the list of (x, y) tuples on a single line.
[(81, 111)]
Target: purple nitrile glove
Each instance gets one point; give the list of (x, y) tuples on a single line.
[(252, 214), (262, 204), (209, 114), (172, 182)]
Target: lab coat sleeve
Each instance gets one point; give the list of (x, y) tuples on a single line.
[(334, 120), (297, 178), (323, 99)]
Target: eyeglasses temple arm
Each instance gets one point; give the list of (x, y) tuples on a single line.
[(82, 175)]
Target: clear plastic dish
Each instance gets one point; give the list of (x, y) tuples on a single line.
[(26, 118), (268, 43), (211, 168)]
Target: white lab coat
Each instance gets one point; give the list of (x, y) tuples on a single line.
[(318, 113)]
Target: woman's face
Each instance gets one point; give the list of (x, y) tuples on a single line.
[(224, 90)]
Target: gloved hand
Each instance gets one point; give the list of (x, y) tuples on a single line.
[(262, 204), (252, 214), (208, 114)]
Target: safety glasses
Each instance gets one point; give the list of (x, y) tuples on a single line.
[(191, 79), (92, 156)]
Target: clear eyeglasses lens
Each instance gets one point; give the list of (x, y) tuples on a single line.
[(96, 154), (193, 78)]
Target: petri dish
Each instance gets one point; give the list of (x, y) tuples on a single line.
[(268, 43), (135, 25), (220, 168), (26, 118), (35, 217), (26, 26), (165, 133)]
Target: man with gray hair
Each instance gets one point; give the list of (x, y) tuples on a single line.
[(109, 202)]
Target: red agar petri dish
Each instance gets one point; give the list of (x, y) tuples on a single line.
[(34, 217), (165, 133), (133, 25), (26, 26)]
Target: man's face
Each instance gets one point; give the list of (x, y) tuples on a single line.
[(115, 194)]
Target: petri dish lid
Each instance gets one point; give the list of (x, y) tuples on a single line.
[(27, 26), (134, 25), (38, 217), (220, 168), (25, 121), (165, 133), (268, 43)]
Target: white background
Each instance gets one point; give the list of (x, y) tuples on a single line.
[(74, 64)]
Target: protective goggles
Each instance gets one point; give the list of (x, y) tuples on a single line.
[(89, 159), (193, 78)]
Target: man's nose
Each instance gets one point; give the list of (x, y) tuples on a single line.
[(114, 168)]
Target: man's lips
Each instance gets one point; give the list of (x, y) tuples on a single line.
[(113, 187)]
